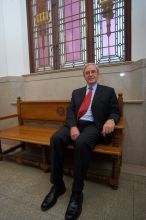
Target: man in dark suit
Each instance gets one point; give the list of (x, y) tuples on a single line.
[(93, 111)]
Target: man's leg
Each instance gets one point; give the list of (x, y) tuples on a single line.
[(83, 148), (84, 145), (59, 141)]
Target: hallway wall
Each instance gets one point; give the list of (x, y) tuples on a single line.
[(130, 79)]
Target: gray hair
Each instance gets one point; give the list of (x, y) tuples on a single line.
[(88, 64)]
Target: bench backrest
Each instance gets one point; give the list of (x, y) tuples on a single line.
[(47, 111), (43, 111)]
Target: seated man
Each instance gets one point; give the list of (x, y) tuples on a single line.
[(93, 110)]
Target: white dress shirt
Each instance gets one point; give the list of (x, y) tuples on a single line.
[(88, 115)]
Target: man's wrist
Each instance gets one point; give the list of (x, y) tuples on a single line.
[(112, 120)]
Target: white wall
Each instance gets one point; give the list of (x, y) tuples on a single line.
[(138, 29), (13, 38), (3, 59), (14, 59)]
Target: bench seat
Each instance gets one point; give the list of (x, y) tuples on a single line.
[(29, 134), (41, 136)]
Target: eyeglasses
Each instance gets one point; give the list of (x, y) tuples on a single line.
[(90, 71)]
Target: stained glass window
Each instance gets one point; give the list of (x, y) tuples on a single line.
[(109, 36), (70, 33), (42, 34)]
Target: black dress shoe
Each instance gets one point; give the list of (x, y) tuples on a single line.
[(74, 208), (52, 196)]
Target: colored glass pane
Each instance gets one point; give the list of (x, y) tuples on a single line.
[(42, 34), (109, 33), (72, 26)]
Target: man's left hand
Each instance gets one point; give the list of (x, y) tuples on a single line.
[(108, 127)]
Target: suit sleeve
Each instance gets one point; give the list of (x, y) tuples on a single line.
[(71, 117), (114, 107)]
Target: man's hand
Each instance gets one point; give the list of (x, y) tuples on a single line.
[(108, 127), (74, 133)]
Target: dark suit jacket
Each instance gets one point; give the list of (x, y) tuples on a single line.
[(104, 106)]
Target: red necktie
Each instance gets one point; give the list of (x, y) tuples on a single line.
[(85, 104)]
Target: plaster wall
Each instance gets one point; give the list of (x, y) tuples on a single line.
[(130, 79)]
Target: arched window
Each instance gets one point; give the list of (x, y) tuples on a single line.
[(70, 33)]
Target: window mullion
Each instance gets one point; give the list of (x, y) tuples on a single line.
[(90, 30), (55, 34), (128, 30), (30, 37)]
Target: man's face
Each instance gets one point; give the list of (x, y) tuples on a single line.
[(91, 75)]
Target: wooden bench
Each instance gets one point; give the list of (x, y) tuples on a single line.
[(36, 126)]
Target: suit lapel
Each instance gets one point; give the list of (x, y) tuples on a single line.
[(97, 95), (82, 95)]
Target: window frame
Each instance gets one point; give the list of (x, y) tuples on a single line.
[(90, 34)]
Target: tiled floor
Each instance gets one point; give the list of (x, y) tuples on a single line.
[(23, 188)]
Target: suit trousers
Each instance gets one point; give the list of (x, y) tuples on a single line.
[(84, 144)]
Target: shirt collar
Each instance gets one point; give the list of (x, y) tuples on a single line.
[(93, 87)]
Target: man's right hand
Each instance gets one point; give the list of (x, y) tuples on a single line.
[(74, 133)]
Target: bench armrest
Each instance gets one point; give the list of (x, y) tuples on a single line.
[(8, 116), (118, 134), (120, 124)]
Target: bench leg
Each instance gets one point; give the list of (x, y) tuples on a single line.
[(114, 181), (23, 145), (44, 165), (1, 154)]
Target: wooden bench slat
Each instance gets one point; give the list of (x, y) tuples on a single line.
[(103, 149), (30, 134), (108, 150)]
